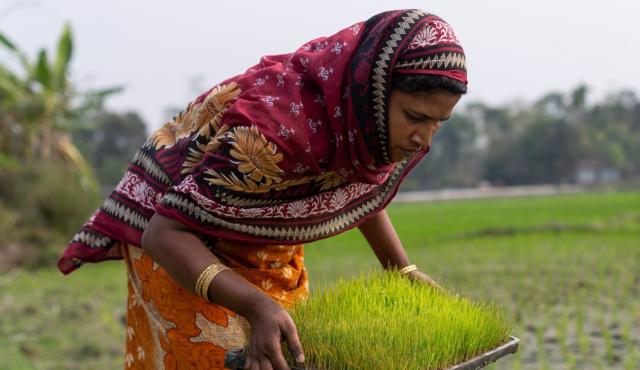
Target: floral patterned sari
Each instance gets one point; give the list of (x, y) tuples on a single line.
[(170, 328)]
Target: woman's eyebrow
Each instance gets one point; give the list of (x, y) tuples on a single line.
[(421, 115), (418, 114)]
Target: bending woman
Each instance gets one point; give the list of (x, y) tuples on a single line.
[(212, 212)]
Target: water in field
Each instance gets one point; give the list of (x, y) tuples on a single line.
[(567, 267)]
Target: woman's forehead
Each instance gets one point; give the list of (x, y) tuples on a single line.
[(432, 101)]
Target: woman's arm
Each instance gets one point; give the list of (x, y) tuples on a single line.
[(183, 255), (385, 243)]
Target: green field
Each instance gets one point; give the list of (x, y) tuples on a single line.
[(567, 267)]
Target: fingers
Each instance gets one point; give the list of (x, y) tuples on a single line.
[(255, 365), (265, 364), (433, 283), (437, 286), (268, 328), (261, 364), (277, 359), (293, 342), (422, 277), (267, 354)]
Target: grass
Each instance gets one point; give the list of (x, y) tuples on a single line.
[(553, 262), (51, 321), (385, 321)]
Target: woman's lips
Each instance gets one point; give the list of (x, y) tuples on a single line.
[(409, 153)]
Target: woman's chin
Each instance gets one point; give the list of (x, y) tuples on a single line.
[(398, 157)]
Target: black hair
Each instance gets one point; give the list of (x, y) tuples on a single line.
[(412, 83)]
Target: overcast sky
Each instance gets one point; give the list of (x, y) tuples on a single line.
[(162, 52)]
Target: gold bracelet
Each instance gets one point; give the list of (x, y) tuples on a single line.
[(206, 277), (407, 269)]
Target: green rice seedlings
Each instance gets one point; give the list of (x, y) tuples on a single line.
[(627, 339), (516, 361), (386, 321), (631, 350), (562, 329), (570, 348), (606, 337), (540, 345), (631, 360), (584, 344), (636, 310), (572, 361)]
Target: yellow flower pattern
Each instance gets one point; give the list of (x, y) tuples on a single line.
[(329, 180), (199, 118), (257, 158), (197, 154)]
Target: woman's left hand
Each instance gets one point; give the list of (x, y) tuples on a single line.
[(424, 278)]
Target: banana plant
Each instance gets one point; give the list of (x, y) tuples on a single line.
[(39, 105), (19, 104)]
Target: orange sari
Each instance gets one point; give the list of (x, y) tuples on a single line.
[(170, 328)]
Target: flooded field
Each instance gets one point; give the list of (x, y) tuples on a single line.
[(567, 267)]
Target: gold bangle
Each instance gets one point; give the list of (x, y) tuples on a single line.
[(407, 269), (206, 277)]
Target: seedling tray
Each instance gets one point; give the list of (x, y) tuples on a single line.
[(235, 359)]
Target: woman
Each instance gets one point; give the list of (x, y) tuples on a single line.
[(300, 147)]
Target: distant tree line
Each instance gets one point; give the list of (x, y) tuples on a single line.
[(110, 143), (560, 138)]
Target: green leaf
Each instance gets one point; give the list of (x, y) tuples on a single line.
[(63, 56), (42, 71), (7, 43), (10, 84), (8, 163), (103, 93), (94, 100), (4, 40)]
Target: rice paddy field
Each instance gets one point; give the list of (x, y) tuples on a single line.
[(567, 267)]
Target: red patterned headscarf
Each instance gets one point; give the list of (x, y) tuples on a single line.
[(293, 150)]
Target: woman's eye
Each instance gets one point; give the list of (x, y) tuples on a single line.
[(413, 118)]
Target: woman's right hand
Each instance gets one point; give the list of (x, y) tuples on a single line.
[(270, 324)]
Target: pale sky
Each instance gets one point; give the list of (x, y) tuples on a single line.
[(163, 51)]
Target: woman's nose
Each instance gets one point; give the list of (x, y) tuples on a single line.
[(421, 139), (423, 136)]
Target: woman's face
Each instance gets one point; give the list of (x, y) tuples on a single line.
[(414, 118)]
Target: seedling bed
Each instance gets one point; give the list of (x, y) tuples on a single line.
[(384, 321)]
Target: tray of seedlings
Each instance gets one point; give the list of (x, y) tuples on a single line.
[(385, 321)]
